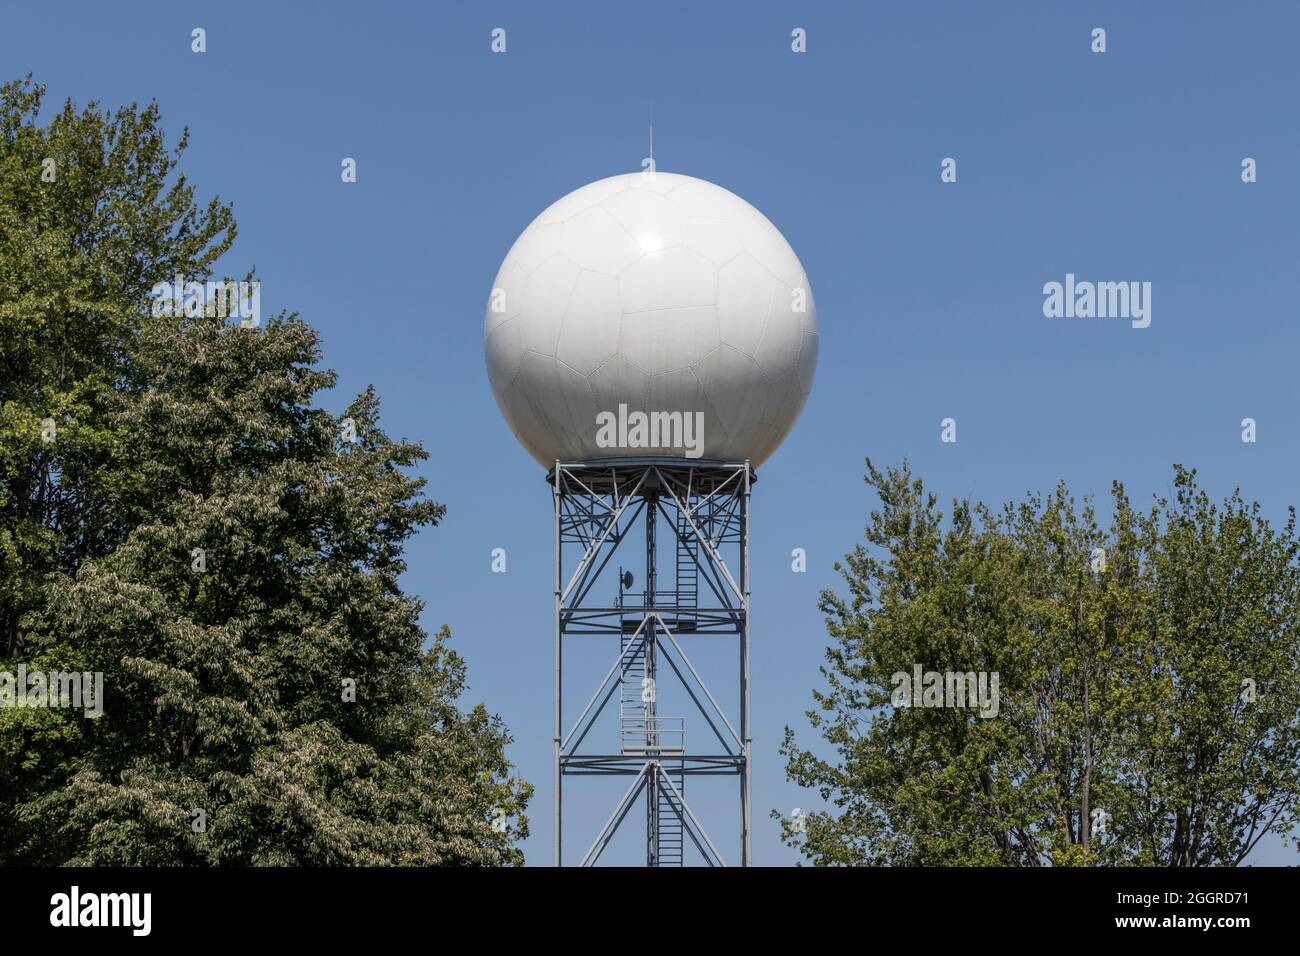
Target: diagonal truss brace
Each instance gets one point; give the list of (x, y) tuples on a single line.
[(588, 718), (664, 784), (620, 507)]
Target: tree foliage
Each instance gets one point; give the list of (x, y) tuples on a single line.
[(1149, 684), (199, 530)]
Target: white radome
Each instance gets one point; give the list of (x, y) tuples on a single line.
[(663, 294)]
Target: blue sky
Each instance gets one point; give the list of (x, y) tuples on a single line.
[(1120, 166)]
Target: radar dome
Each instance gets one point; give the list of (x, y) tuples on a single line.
[(640, 297)]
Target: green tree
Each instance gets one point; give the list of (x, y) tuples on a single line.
[(90, 215), (229, 557), (1148, 684)]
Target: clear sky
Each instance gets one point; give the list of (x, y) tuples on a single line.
[(1119, 166)]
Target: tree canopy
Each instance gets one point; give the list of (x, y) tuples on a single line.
[(1148, 676), (179, 514)]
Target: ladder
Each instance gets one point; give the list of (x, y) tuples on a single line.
[(688, 571), (635, 712), (671, 835)]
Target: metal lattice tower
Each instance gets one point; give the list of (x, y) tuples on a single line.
[(609, 508)]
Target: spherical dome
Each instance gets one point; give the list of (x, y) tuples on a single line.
[(641, 297)]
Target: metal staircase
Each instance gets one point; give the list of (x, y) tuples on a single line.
[(671, 825), (688, 573), (634, 710)]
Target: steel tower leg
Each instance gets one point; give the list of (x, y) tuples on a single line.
[(746, 779), (559, 670), (649, 693)]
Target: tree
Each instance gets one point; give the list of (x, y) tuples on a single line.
[(1146, 708), (90, 213), (89, 217), (230, 562)]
